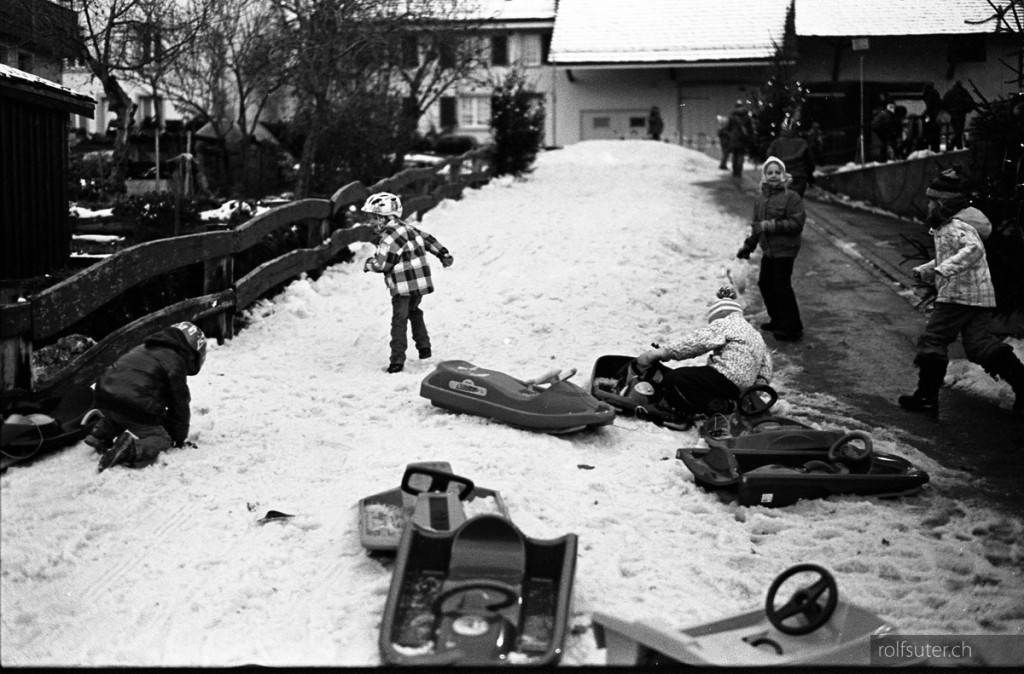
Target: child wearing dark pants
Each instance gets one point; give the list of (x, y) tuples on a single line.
[(401, 257), (777, 226), (965, 300), (144, 398), (737, 359)]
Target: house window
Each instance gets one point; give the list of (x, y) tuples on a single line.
[(446, 58), (602, 122), (637, 122), (410, 52), (499, 50), (475, 111), (531, 45)]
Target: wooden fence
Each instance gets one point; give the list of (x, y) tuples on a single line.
[(325, 229)]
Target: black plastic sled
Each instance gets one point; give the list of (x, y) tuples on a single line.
[(617, 380), (31, 429), (481, 595), (548, 403), (430, 495), (774, 477)]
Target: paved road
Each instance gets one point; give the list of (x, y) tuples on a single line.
[(859, 346)]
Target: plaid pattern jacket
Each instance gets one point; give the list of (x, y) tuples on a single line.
[(960, 269), (401, 257)]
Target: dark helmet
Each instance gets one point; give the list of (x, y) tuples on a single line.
[(196, 340)]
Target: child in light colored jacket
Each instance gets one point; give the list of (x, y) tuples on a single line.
[(737, 359), (965, 300), (401, 258)]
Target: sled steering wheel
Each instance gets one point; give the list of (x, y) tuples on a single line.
[(486, 607), (843, 450), (803, 602), (757, 399)]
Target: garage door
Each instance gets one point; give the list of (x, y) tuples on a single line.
[(612, 124)]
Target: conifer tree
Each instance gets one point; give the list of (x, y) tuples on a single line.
[(517, 120)]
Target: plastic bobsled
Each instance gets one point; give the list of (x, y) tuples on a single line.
[(618, 381), (430, 495), (780, 476), (813, 627), (548, 403), (34, 428), (482, 595)]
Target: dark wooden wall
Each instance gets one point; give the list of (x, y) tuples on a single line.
[(33, 189)]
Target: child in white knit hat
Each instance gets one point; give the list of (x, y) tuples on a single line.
[(777, 226), (737, 359)]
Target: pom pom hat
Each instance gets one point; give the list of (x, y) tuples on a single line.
[(725, 304), (946, 186)]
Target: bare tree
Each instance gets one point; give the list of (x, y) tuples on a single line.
[(402, 52), (121, 39), (227, 75), (440, 45)]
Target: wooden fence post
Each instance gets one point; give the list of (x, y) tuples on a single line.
[(218, 275), (15, 345)]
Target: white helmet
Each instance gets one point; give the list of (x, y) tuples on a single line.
[(383, 203)]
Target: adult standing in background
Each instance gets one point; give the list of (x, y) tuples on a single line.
[(957, 102), (655, 124), (740, 131), (795, 152), (932, 108)]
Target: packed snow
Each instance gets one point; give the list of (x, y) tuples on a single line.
[(604, 248)]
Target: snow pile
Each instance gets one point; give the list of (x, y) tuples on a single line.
[(606, 247)]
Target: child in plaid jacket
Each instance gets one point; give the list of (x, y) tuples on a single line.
[(401, 257)]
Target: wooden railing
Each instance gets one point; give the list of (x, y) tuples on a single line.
[(325, 231)]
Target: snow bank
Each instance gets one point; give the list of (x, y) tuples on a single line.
[(606, 247)]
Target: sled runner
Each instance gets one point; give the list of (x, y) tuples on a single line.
[(31, 429), (430, 495), (813, 627), (780, 476), (483, 594), (617, 381), (548, 403)]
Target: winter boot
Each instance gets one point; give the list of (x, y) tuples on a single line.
[(1006, 366), (123, 451), (932, 371)]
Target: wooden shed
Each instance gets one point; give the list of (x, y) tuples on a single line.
[(36, 232)]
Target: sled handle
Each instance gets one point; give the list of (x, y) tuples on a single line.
[(439, 481), (552, 376)]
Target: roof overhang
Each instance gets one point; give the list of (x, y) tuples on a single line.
[(27, 88)]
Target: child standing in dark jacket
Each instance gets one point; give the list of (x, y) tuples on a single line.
[(777, 227), (144, 398), (402, 257)]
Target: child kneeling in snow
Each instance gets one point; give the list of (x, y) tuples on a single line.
[(738, 359), (144, 398), (402, 258)]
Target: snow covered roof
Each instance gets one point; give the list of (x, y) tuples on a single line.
[(517, 11), (892, 17), (15, 80), (665, 31)]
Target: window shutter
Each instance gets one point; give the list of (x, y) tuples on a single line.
[(448, 116), (499, 50)]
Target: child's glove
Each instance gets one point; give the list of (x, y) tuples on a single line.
[(743, 253), (648, 358), (447, 260)]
